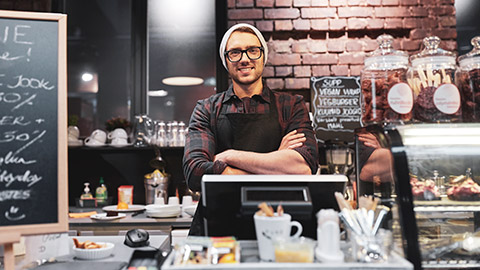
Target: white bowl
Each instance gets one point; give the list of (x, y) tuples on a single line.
[(94, 254)]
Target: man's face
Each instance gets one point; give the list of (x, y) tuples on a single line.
[(245, 71)]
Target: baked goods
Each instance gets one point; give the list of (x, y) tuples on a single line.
[(424, 190), (468, 190), (267, 210), (87, 244)]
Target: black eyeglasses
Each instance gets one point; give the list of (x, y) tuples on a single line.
[(252, 53)]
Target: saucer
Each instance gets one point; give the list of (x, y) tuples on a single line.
[(120, 145), (94, 145), (103, 216), (75, 143)]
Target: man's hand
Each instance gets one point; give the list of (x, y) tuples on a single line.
[(292, 140), (223, 156), (369, 140)]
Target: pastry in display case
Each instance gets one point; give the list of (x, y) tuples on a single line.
[(429, 175)]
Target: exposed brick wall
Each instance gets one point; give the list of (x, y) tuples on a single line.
[(331, 37)]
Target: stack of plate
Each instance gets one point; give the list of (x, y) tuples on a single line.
[(162, 211)]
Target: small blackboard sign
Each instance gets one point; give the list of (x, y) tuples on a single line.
[(336, 107), (33, 148)]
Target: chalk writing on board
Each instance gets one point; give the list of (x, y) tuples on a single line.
[(336, 107), (28, 127)]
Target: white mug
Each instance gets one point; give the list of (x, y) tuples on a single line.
[(269, 228), (117, 133), (187, 200), (98, 135), (73, 133), (173, 200), (72, 138), (119, 141)]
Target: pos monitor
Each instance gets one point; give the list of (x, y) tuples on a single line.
[(230, 201)]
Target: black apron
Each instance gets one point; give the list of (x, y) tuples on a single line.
[(261, 133)]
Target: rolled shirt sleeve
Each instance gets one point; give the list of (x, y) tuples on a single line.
[(299, 120)]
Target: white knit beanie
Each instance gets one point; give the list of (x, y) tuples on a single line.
[(227, 35)]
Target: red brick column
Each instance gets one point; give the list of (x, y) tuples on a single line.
[(330, 37)]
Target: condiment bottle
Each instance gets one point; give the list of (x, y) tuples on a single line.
[(468, 78), (386, 96), (101, 193), (86, 192), (432, 78)]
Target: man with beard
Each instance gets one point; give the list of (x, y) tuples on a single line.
[(248, 129)]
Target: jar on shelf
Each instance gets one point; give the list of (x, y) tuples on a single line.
[(386, 95), (468, 79), (432, 78)]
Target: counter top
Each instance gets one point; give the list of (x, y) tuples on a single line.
[(118, 260)]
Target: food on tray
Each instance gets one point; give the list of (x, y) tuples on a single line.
[(225, 250), (424, 190), (87, 244), (456, 180), (122, 205), (468, 190), (194, 250), (267, 210)]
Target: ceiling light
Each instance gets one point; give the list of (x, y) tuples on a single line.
[(86, 77), (157, 93), (182, 81)]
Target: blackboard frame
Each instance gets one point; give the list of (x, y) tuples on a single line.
[(11, 234)]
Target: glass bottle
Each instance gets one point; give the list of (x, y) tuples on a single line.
[(101, 193), (181, 133), (468, 78), (386, 95), (86, 192), (432, 78)]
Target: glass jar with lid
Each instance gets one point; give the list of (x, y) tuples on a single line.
[(432, 78), (468, 79), (386, 96)]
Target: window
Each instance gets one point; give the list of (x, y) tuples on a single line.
[(99, 55), (181, 43)]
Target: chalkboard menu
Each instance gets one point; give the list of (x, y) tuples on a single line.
[(33, 159), (336, 107)]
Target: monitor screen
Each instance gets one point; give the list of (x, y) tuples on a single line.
[(230, 201)]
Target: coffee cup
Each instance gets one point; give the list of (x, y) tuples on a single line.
[(187, 200), (117, 133), (119, 141), (269, 228), (98, 137), (173, 200), (73, 133)]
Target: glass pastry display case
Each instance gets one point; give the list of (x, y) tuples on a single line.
[(429, 175)]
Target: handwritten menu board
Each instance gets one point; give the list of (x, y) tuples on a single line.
[(336, 107), (33, 149)]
